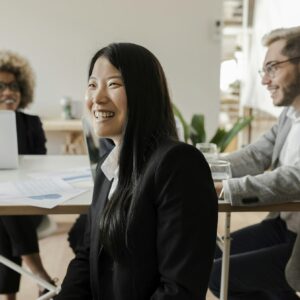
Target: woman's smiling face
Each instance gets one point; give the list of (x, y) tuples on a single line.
[(10, 96), (106, 100)]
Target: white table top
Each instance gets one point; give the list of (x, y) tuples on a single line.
[(288, 206), (40, 163), (80, 204)]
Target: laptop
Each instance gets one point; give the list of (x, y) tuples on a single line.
[(9, 158)]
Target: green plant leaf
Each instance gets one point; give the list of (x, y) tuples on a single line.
[(218, 137), (240, 124), (186, 127), (197, 130)]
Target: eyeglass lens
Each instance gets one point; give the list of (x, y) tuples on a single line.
[(13, 86), (270, 69)]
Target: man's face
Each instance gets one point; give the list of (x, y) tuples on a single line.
[(283, 82)]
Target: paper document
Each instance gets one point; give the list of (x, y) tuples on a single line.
[(45, 192), (70, 175)]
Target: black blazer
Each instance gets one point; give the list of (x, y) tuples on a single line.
[(31, 137), (171, 239)]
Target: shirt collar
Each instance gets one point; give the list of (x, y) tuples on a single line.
[(110, 166), (293, 114)]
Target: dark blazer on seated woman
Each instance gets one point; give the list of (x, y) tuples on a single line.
[(170, 239), (18, 233), (31, 136), (76, 233)]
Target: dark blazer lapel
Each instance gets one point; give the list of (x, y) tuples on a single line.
[(99, 207), (100, 198), (101, 188), (103, 194)]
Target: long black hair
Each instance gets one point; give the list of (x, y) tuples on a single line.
[(150, 121)]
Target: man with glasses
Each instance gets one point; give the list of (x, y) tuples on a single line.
[(265, 257)]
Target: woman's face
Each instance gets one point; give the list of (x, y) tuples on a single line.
[(107, 100), (10, 96)]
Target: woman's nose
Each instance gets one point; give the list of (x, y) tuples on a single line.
[(100, 95), (7, 91)]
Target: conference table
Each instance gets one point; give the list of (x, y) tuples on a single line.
[(80, 204), (29, 164)]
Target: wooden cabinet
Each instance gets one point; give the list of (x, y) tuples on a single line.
[(72, 131)]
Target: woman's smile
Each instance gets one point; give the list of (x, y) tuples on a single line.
[(103, 115)]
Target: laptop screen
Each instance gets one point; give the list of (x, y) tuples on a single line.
[(8, 137)]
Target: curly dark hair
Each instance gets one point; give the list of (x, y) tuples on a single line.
[(16, 64)]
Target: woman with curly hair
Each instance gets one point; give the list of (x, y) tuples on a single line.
[(151, 228), (18, 235)]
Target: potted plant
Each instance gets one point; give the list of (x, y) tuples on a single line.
[(195, 131)]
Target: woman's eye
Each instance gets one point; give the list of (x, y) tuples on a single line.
[(91, 85), (113, 84)]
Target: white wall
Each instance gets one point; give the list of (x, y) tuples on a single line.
[(60, 36)]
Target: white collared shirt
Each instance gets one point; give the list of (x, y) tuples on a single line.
[(290, 152), (289, 155), (110, 168)]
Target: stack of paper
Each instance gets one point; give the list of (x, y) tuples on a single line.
[(45, 189)]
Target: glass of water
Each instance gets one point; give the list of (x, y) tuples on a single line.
[(209, 150), (220, 170)]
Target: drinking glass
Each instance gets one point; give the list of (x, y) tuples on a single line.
[(220, 170), (209, 150)]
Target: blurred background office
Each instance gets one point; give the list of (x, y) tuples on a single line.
[(59, 38), (197, 41), (210, 51)]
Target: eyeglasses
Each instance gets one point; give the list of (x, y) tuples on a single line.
[(13, 86), (271, 68)]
